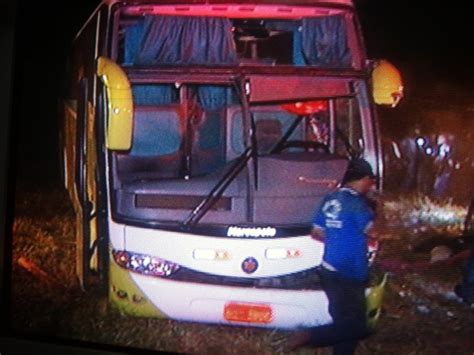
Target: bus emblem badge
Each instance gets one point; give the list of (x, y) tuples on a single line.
[(250, 265)]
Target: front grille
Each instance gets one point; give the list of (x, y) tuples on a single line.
[(304, 280), (178, 202)]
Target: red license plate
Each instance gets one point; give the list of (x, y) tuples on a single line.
[(246, 312)]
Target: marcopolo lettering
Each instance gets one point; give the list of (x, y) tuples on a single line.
[(256, 232)]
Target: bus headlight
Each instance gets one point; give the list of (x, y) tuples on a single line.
[(144, 264)]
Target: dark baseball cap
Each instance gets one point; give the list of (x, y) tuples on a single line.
[(358, 169)]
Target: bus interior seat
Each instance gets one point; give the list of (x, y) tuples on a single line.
[(209, 143), (155, 144), (268, 132)]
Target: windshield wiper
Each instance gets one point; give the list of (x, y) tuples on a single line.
[(200, 210), (241, 162), (353, 153), (287, 135)]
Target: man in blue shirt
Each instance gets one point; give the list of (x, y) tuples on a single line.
[(344, 223)]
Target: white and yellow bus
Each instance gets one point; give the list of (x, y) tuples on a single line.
[(199, 137)]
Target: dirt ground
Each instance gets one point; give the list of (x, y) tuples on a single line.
[(421, 314)]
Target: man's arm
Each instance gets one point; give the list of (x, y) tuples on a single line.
[(317, 233), (370, 231)]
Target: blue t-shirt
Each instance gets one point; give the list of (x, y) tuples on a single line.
[(344, 215)]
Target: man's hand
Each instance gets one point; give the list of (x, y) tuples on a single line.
[(318, 234), (373, 243), (373, 247)]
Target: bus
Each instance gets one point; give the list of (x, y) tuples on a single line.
[(199, 137)]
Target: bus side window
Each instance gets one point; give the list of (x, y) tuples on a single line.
[(83, 60), (269, 133)]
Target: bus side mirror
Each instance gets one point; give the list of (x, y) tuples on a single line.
[(387, 83), (119, 104)]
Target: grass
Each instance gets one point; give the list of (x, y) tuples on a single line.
[(43, 233), (418, 210)]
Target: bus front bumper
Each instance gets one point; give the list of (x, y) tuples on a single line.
[(232, 305), (146, 296)]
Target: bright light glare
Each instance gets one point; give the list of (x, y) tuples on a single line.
[(282, 253), (420, 141), (144, 264)]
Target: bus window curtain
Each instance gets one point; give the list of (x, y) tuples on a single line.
[(212, 97), (181, 40), (154, 94), (325, 42), (133, 36)]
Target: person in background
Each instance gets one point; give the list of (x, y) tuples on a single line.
[(344, 224), (410, 152), (444, 163), (426, 151), (462, 172), (465, 289)]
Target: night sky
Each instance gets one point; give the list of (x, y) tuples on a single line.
[(430, 44), (428, 40), (44, 35)]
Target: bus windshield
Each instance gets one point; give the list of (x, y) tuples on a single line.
[(226, 97), (202, 144), (281, 127), (205, 129)]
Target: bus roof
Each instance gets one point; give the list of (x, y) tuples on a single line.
[(275, 9), (232, 2)]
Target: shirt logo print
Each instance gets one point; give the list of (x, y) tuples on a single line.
[(331, 210)]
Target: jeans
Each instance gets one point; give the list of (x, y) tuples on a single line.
[(465, 290), (347, 307)]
